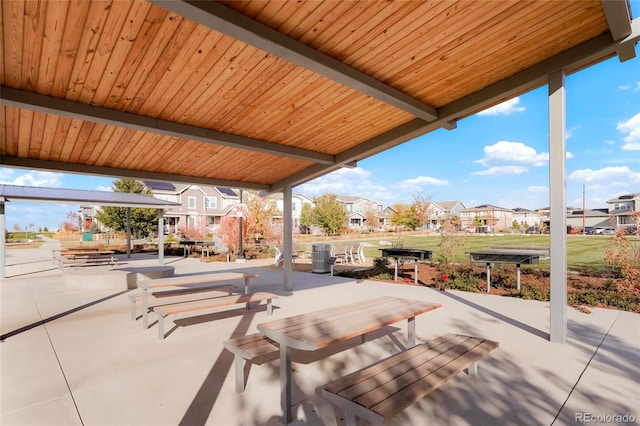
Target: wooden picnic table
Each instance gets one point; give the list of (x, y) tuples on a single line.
[(316, 330), (151, 284)]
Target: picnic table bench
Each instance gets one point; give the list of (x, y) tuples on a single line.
[(209, 304), (83, 256), (316, 330), (185, 283), (382, 390), (185, 294), (247, 349)]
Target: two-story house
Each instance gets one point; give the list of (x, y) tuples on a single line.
[(439, 211), (526, 217), (360, 211), (200, 205), (297, 202), (488, 217), (622, 208)]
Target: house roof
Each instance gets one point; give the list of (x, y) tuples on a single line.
[(448, 205), (487, 207), (625, 197), (79, 196), (267, 94)]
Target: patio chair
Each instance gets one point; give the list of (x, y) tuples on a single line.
[(279, 259), (358, 254)]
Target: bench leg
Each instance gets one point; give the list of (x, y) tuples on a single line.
[(269, 307), (351, 418), (239, 367), (133, 310), (161, 327), (411, 332), (472, 370)]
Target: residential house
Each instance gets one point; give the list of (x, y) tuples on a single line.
[(597, 218), (622, 208), (297, 201), (442, 210), (526, 217), (486, 218), (360, 211), (200, 205)]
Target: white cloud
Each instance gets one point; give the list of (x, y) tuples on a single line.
[(515, 156), (505, 108), (539, 189), (346, 181), (45, 179), (104, 188), (501, 170), (632, 127), (612, 176), (423, 181)]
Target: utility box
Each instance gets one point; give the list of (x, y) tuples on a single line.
[(320, 255)]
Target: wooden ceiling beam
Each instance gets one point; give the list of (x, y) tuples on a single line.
[(219, 17), (33, 164), (62, 107)]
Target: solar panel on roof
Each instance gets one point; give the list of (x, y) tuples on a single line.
[(227, 191), (160, 186)]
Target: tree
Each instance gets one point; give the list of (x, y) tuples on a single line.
[(258, 218), (406, 216), (515, 225), (371, 216), (72, 224), (424, 207), (306, 218), (451, 243), (143, 221), (329, 214)]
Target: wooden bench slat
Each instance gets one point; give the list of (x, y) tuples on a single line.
[(355, 379), (178, 308), (251, 346), (381, 390), (389, 407), (208, 304), (404, 371), (185, 294), (248, 348)]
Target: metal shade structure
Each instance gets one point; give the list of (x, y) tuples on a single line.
[(269, 94), (9, 193)]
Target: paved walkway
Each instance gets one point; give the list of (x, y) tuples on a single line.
[(74, 357)]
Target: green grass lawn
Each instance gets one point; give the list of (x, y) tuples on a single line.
[(583, 251)]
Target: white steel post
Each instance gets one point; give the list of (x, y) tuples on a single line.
[(558, 207), (287, 197), (160, 236)]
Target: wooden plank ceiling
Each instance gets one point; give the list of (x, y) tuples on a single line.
[(263, 94)]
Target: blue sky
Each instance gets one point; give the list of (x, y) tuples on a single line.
[(499, 156)]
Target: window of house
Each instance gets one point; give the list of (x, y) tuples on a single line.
[(191, 202), (211, 202), (191, 221)]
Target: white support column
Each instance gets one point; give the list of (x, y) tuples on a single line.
[(128, 232), (558, 207), (160, 237), (287, 231), (3, 243)]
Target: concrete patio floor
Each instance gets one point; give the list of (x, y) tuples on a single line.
[(73, 356)]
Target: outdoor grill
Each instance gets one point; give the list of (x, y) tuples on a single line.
[(510, 256), (406, 253)]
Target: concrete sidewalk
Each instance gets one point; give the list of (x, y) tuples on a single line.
[(73, 356)]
